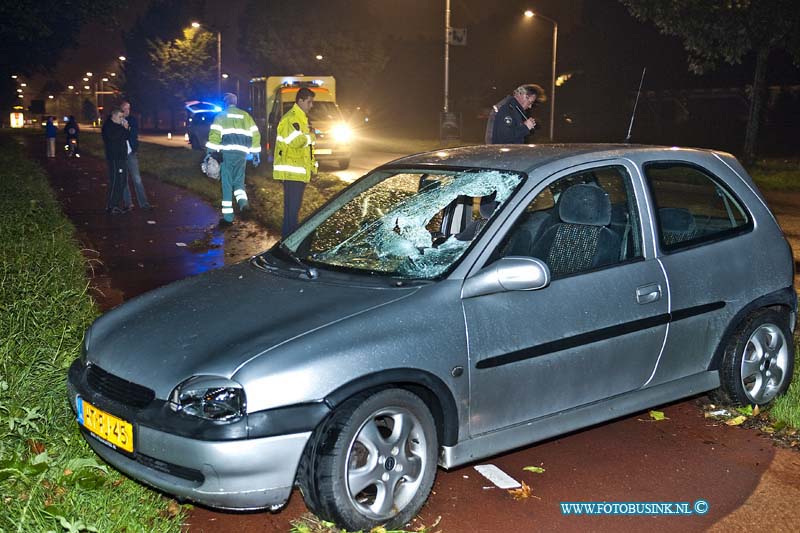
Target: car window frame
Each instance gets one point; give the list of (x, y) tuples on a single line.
[(669, 249), (420, 169), (640, 198)]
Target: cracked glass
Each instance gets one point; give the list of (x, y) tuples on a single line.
[(408, 224)]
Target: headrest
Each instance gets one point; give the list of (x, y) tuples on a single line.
[(675, 219), (585, 204), (488, 208)]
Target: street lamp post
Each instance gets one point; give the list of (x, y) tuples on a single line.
[(219, 59), (531, 14)]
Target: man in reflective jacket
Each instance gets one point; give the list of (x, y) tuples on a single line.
[(294, 157), (234, 135)]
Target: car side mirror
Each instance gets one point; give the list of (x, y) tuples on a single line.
[(508, 274)]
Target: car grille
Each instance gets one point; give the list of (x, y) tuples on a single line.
[(189, 474), (118, 389)]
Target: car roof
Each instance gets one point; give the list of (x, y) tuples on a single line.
[(525, 157)]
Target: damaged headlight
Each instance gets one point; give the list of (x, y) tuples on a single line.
[(210, 398)]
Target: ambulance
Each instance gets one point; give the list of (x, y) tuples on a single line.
[(272, 96)]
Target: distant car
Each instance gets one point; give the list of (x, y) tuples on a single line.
[(199, 117), (446, 307)]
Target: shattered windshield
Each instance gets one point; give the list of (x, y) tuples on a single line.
[(410, 224)]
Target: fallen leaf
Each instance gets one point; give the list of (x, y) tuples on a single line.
[(67, 472), (173, 508), (736, 421), (521, 493), (35, 446), (534, 469), (658, 416), (756, 410), (746, 410)]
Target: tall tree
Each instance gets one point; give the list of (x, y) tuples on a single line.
[(141, 80), (278, 43), (185, 66), (715, 31), (35, 33)]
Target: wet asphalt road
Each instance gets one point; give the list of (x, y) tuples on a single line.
[(747, 481)]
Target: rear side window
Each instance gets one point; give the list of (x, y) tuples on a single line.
[(692, 206)]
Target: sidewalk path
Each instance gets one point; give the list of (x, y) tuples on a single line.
[(141, 250)]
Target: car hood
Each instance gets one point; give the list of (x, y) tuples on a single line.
[(214, 323)]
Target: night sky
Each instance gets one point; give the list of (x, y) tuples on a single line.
[(600, 44)]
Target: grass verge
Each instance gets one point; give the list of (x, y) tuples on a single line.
[(786, 408), (777, 174), (49, 478)]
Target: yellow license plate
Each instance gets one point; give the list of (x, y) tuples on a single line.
[(108, 427)]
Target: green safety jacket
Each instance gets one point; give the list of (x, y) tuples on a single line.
[(234, 130), (294, 156)]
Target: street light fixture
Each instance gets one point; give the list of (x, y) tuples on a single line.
[(319, 57), (196, 25), (122, 58), (89, 74), (530, 14)]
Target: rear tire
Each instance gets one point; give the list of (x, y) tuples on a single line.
[(373, 462), (344, 164), (759, 360)]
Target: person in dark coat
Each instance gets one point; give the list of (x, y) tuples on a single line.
[(115, 139), (508, 121), (133, 163), (50, 132), (72, 130)]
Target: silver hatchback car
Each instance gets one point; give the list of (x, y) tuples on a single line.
[(446, 307)]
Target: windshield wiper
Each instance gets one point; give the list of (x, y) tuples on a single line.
[(310, 272)]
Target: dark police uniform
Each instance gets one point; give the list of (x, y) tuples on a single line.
[(508, 126)]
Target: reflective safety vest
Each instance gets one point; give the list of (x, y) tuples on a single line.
[(294, 144), (234, 130)]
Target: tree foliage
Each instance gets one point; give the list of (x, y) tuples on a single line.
[(278, 42), (142, 80), (716, 31), (185, 66)]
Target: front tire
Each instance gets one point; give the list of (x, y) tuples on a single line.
[(759, 360), (374, 461)]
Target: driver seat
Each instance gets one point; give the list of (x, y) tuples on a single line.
[(581, 239)]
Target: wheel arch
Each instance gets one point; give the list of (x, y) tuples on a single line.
[(783, 300), (431, 389)]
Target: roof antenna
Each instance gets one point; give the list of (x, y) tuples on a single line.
[(636, 103)]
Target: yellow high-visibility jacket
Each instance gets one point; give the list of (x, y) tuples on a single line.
[(234, 130), (294, 156)]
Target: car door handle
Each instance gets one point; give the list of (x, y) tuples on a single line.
[(648, 293)]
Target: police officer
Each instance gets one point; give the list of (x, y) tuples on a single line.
[(234, 135), (294, 157), (508, 123)]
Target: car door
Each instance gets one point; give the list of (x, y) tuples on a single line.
[(705, 236), (597, 330)]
